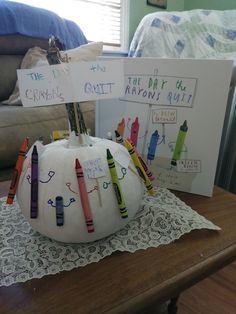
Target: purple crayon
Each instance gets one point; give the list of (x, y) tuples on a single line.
[(34, 184), (59, 211)]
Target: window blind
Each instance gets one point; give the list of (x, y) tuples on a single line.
[(101, 20)]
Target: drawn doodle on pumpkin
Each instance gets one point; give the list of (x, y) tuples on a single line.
[(106, 184), (123, 171), (94, 189), (51, 173), (68, 184), (71, 200)]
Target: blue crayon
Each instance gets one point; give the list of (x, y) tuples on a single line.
[(153, 145), (59, 211)]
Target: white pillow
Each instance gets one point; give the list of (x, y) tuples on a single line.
[(36, 57), (88, 52)]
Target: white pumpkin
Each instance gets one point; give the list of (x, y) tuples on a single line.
[(57, 177)]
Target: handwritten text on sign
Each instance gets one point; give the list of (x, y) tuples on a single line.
[(160, 90), (71, 82)]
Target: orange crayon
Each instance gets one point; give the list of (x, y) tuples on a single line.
[(121, 127), (17, 170), (84, 197)]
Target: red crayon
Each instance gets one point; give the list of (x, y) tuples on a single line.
[(134, 132), (84, 197), (17, 170)]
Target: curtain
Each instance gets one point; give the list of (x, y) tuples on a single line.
[(226, 167)]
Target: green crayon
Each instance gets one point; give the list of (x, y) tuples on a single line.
[(179, 143), (116, 185)]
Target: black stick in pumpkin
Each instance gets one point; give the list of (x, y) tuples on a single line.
[(74, 114)]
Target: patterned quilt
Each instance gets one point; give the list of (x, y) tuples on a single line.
[(188, 34)]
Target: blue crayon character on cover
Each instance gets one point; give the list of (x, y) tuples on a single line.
[(153, 145)]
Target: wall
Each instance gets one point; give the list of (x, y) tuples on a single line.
[(210, 4)]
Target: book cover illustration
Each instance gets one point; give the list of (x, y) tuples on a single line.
[(173, 112)]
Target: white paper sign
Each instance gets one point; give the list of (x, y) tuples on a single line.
[(71, 82), (93, 168)]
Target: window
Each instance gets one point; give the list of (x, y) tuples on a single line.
[(100, 20)]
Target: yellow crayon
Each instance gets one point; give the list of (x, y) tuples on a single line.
[(60, 134), (116, 185), (139, 167)]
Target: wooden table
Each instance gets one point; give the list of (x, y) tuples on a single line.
[(129, 282)]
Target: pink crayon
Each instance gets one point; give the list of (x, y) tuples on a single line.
[(121, 127), (84, 197), (134, 132), (144, 165)]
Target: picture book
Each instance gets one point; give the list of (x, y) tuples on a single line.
[(172, 111)]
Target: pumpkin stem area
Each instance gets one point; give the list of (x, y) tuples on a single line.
[(75, 115)]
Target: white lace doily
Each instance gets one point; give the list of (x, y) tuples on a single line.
[(26, 254)]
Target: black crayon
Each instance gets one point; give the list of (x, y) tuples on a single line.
[(59, 211)]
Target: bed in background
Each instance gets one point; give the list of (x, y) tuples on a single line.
[(187, 34), (198, 34)]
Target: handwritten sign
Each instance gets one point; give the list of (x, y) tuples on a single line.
[(164, 116), (71, 82), (93, 168), (160, 89)]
